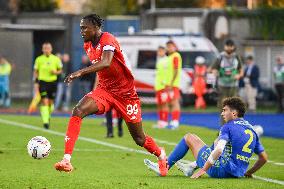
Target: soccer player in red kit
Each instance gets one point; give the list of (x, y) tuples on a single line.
[(115, 89)]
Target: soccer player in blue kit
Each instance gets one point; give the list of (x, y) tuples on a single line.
[(229, 156)]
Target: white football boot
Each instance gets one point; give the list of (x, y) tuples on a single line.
[(187, 168), (152, 166)]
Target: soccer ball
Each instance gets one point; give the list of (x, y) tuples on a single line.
[(39, 147), (258, 129)]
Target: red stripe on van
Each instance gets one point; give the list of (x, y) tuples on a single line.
[(143, 86)]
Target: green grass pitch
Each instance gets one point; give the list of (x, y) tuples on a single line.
[(100, 166)]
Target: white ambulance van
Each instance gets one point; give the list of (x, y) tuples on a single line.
[(141, 53)]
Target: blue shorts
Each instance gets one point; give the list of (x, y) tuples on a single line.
[(216, 171)]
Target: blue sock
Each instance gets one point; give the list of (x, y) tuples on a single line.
[(178, 153)]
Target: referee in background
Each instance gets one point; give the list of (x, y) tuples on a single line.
[(47, 67)]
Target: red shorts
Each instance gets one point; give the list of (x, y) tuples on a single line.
[(129, 108), (162, 96), (174, 93)]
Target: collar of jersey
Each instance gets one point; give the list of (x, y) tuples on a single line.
[(95, 45)]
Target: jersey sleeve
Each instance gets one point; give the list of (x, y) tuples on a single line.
[(176, 62), (109, 43), (225, 133), (258, 147), (36, 65), (9, 68), (59, 64)]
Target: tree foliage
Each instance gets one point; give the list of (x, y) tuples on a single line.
[(37, 5), (104, 8), (266, 21), (173, 4), (132, 7)]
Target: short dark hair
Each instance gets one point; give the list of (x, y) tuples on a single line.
[(94, 19), (229, 42), (249, 57), (171, 42), (235, 103)]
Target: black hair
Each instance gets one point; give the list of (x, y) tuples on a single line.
[(229, 42), (94, 19), (235, 103), (170, 42), (250, 57)]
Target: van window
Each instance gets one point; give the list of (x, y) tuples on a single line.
[(147, 59), (188, 58)]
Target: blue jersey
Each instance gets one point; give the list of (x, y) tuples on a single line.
[(242, 142)]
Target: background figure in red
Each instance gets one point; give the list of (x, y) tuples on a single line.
[(162, 97), (199, 82)]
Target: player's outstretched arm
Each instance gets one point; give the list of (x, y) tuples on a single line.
[(105, 62), (262, 159)]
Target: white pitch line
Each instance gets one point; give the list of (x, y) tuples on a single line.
[(62, 150), (270, 161), (165, 142), (281, 164), (269, 180), (27, 126)]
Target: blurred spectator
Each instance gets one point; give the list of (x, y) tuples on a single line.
[(173, 83), (63, 95), (251, 83), (228, 69), (162, 98), (199, 82), (241, 91), (5, 71), (279, 82), (113, 118), (36, 99), (86, 81)]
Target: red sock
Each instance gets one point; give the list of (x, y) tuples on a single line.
[(176, 115), (72, 134), (165, 116), (151, 146)]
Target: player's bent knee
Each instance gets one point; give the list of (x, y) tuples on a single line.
[(77, 111), (190, 138)]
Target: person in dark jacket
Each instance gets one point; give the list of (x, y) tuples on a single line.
[(251, 83)]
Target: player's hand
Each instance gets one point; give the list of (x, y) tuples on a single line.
[(237, 77), (248, 175), (53, 72), (72, 76), (198, 174)]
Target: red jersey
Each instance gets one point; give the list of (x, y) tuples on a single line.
[(118, 78)]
